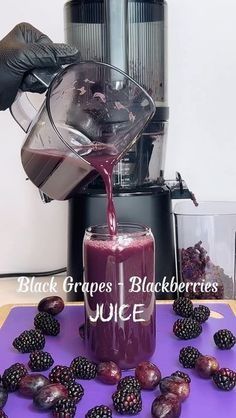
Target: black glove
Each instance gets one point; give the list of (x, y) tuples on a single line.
[(22, 50)]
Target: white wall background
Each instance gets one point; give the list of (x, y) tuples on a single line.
[(201, 144)]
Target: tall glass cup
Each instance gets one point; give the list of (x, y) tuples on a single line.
[(120, 321)]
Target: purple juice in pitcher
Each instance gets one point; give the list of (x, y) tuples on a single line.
[(120, 314), (61, 174)]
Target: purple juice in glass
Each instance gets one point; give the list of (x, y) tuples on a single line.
[(119, 324)]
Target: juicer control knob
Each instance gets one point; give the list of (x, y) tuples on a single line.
[(179, 189)]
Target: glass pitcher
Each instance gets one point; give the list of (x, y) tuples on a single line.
[(91, 110)]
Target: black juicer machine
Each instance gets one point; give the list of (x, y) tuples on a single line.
[(131, 35)]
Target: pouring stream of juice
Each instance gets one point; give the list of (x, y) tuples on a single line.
[(104, 165)]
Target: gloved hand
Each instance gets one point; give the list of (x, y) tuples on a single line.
[(22, 50)]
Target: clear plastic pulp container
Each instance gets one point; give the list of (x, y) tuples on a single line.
[(206, 241)]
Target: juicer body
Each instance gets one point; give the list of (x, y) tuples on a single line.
[(151, 207), (132, 35)]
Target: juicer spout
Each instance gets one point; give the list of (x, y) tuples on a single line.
[(44, 197)]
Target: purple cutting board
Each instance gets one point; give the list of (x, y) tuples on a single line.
[(205, 401)]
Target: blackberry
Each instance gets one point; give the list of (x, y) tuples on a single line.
[(100, 411), (12, 376), (47, 324), (29, 341), (62, 374), (83, 368), (183, 375), (64, 408), (225, 379), (188, 356), (183, 307), (127, 401), (186, 329), (2, 414), (201, 313), (40, 361), (130, 382), (75, 392), (224, 339)]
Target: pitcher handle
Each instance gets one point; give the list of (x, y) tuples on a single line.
[(22, 110)]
